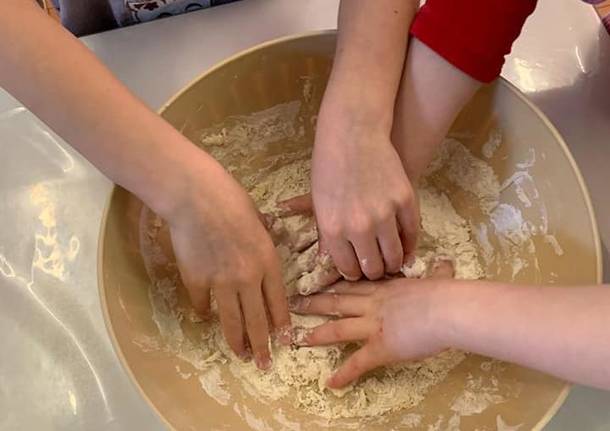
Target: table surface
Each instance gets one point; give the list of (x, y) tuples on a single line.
[(57, 366)]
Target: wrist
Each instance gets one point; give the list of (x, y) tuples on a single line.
[(349, 121), (348, 101), (179, 172), (452, 309)]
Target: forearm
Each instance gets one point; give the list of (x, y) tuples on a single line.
[(559, 330), (371, 46), (431, 95), (80, 99)]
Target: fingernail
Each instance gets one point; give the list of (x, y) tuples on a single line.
[(330, 382), (301, 335), (409, 260), (245, 355), (348, 278), (284, 335), (263, 362)]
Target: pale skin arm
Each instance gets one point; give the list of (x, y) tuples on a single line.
[(562, 331), (432, 93), (363, 201), (559, 330), (218, 239)]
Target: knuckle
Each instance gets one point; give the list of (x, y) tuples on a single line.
[(238, 276), (219, 279), (403, 197), (332, 230), (361, 225), (386, 213)]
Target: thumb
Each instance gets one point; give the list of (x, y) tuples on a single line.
[(299, 205), (365, 359)]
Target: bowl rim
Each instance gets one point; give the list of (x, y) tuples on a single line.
[(551, 412)]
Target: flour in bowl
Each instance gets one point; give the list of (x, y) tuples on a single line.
[(299, 374)]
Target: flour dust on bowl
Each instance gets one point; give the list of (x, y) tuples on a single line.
[(503, 198)]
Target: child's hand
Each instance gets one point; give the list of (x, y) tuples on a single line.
[(221, 245), (366, 210), (393, 319)]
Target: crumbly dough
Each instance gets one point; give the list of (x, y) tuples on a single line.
[(444, 233), (299, 373)]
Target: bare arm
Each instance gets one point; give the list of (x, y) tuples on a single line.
[(432, 93), (84, 103), (559, 330), (371, 49), (219, 242), (359, 187)]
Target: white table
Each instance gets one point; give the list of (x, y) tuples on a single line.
[(57, 367)]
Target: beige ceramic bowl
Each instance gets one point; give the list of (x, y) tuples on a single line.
[(274, 73)]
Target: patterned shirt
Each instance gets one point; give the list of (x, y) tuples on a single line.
[(129, 12)]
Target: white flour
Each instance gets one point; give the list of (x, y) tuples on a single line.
[(267, 151)]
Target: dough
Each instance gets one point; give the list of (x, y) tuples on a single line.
[(299, 374)]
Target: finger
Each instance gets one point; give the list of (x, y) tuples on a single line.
[(330, 304), (442, 268), (323, 274), (365, 359), (388, 237), (303, 263), (337, 331), (201, 300), (266, 219), (277, 231), (277, 304), (344, 257), (299, 205), (363, 287), (330, 274), (229, 312), (257, 327), (369, 256), (408, 222), (305, 236)]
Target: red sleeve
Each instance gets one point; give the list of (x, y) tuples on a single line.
[(473, 35)]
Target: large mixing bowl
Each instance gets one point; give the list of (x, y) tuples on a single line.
[(567, 250)]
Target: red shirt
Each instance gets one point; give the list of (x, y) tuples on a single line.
[(473, 35)]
